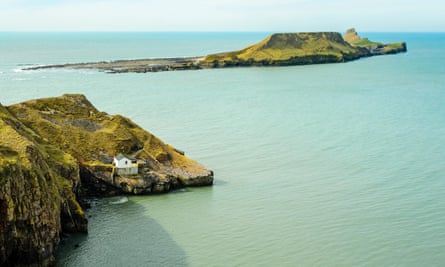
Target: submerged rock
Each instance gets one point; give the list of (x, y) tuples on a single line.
[(56, 151)]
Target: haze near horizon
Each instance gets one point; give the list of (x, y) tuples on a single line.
[(221, 15)]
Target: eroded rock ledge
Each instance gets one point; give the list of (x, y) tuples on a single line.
[(280, 49), (54, 152)]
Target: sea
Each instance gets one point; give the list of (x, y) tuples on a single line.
[(318, 165)]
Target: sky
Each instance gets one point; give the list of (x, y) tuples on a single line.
[(222, 15)]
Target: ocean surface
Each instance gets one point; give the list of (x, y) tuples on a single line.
[(321, 165)]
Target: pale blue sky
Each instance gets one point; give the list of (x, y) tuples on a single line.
[(221, 15)]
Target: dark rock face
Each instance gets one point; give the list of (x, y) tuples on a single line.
[(29, 223), (93, 184)]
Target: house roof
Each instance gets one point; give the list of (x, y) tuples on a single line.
[(121, 156)]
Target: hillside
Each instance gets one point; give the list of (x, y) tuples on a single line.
[(290, 49), (56, 151)]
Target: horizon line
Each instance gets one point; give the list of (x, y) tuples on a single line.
[(194, 31)]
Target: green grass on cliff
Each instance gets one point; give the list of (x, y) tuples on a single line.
[(13, 143), (399, 45), (72, 124), (365, 42), (70, 128)]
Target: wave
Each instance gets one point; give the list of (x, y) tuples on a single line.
[(28, 64), (22, 67), (18, 70), (121, 200)]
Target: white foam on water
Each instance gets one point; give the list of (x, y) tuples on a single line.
[(121, 200)]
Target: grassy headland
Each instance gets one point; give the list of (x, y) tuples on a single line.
[(54, 152)]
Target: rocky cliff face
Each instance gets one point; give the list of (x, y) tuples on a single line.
[(37, 196), (54, 151)]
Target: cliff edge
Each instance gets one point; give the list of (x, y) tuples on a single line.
[(56, 151)]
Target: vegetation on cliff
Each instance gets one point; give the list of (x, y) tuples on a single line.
[(54, 151), (75, 126), (37, 195)]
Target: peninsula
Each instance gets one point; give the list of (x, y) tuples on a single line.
[(55, 152), (280, 49)]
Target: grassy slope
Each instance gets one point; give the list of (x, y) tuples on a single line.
[(19, 146), (75, 126), (12, 143)]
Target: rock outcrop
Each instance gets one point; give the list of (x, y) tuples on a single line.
[(373, 48), (56, 151)]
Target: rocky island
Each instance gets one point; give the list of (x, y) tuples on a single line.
[(55, 152), (280, 49)]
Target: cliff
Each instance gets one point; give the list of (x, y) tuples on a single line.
[(56, 151), (37, 195)]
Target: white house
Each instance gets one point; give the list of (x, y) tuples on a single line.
[(125, 165)]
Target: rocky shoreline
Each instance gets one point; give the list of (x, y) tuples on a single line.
[(132, 65), (282, 49)]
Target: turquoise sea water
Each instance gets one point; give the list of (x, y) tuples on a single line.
[(322, 165)]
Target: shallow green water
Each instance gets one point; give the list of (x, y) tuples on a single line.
[(324, 165)]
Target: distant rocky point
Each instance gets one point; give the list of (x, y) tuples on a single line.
[(55, 152), (374, 48), (280, 49)]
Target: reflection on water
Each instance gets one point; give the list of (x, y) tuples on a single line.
[(121, 235)]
